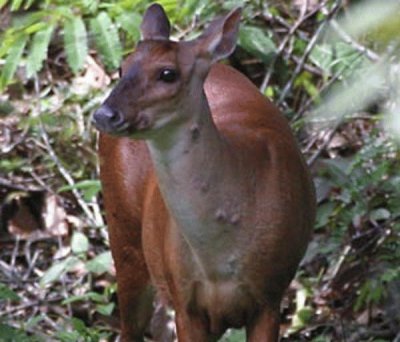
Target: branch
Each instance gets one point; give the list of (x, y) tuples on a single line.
[(26, 188), (303, 17), (357, 46), (327, 139), (63, 171), (307, 51)]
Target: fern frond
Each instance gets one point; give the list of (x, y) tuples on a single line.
[(28, 4), (38, 50), (12, 61), (16, 5), (2, 3), (75, 43), (107, 40)]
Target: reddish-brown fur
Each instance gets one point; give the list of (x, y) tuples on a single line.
[(250, 184)]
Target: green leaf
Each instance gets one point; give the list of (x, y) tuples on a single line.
[(79, 243), (38, 50), (170, 7), (367, 16), (107, 40), (338, 58), (16, 5), (100, 264), (28, 4), (9, 333), (303, 312), (34, 321), (94, 296), (35, 27), (78, 325), (256, 42), (305, 79), (7, 293), (360, 91), (380, 214), (324, 212), (130, 23), (2, 3), (192, 8), (234, 335), (12, 61), (75, 43), (57, 270), (6, 108), (89, 187), (105, 309), (67, 336)]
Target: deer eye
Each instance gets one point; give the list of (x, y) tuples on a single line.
[(168, 75)]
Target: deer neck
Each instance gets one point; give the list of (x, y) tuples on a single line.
[(190, 159)]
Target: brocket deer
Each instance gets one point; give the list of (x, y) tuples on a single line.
[(206, 193)]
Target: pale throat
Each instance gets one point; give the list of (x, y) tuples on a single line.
[(189, 141), (186, 160)]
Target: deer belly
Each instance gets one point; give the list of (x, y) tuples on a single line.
[(223, 303)]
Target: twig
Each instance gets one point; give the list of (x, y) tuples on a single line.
[(26, 188), (307, 52), (349, 40), (308, 67), (64, 283), (327, 139), (7, 270), (338, 265), (303, 17), (42, 183), (60, 167), (311, 100), (14, 255), (30, 260), (10, 147)]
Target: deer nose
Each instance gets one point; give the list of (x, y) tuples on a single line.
[(107, 119)]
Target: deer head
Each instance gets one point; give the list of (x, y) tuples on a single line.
[(162, 80)]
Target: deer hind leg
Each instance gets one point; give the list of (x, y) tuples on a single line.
[(265, 326)]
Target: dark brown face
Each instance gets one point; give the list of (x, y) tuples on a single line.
[(161, 81), (149, 94)]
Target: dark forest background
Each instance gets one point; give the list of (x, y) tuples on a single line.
[(331, 66)]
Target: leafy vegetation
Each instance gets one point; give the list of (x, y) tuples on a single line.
[(333, 69)]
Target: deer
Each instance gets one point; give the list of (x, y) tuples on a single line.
[(208, 200)]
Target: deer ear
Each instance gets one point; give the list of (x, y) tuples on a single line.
[(219, 39), (155, 24)]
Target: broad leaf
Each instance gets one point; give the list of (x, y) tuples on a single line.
[(255, 41), (100, 264), (89, 187), (57, 270), (105, 309), (38, 50), (338, 58), (79, 243), (7, 293), (75, 43), (107, 40)]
